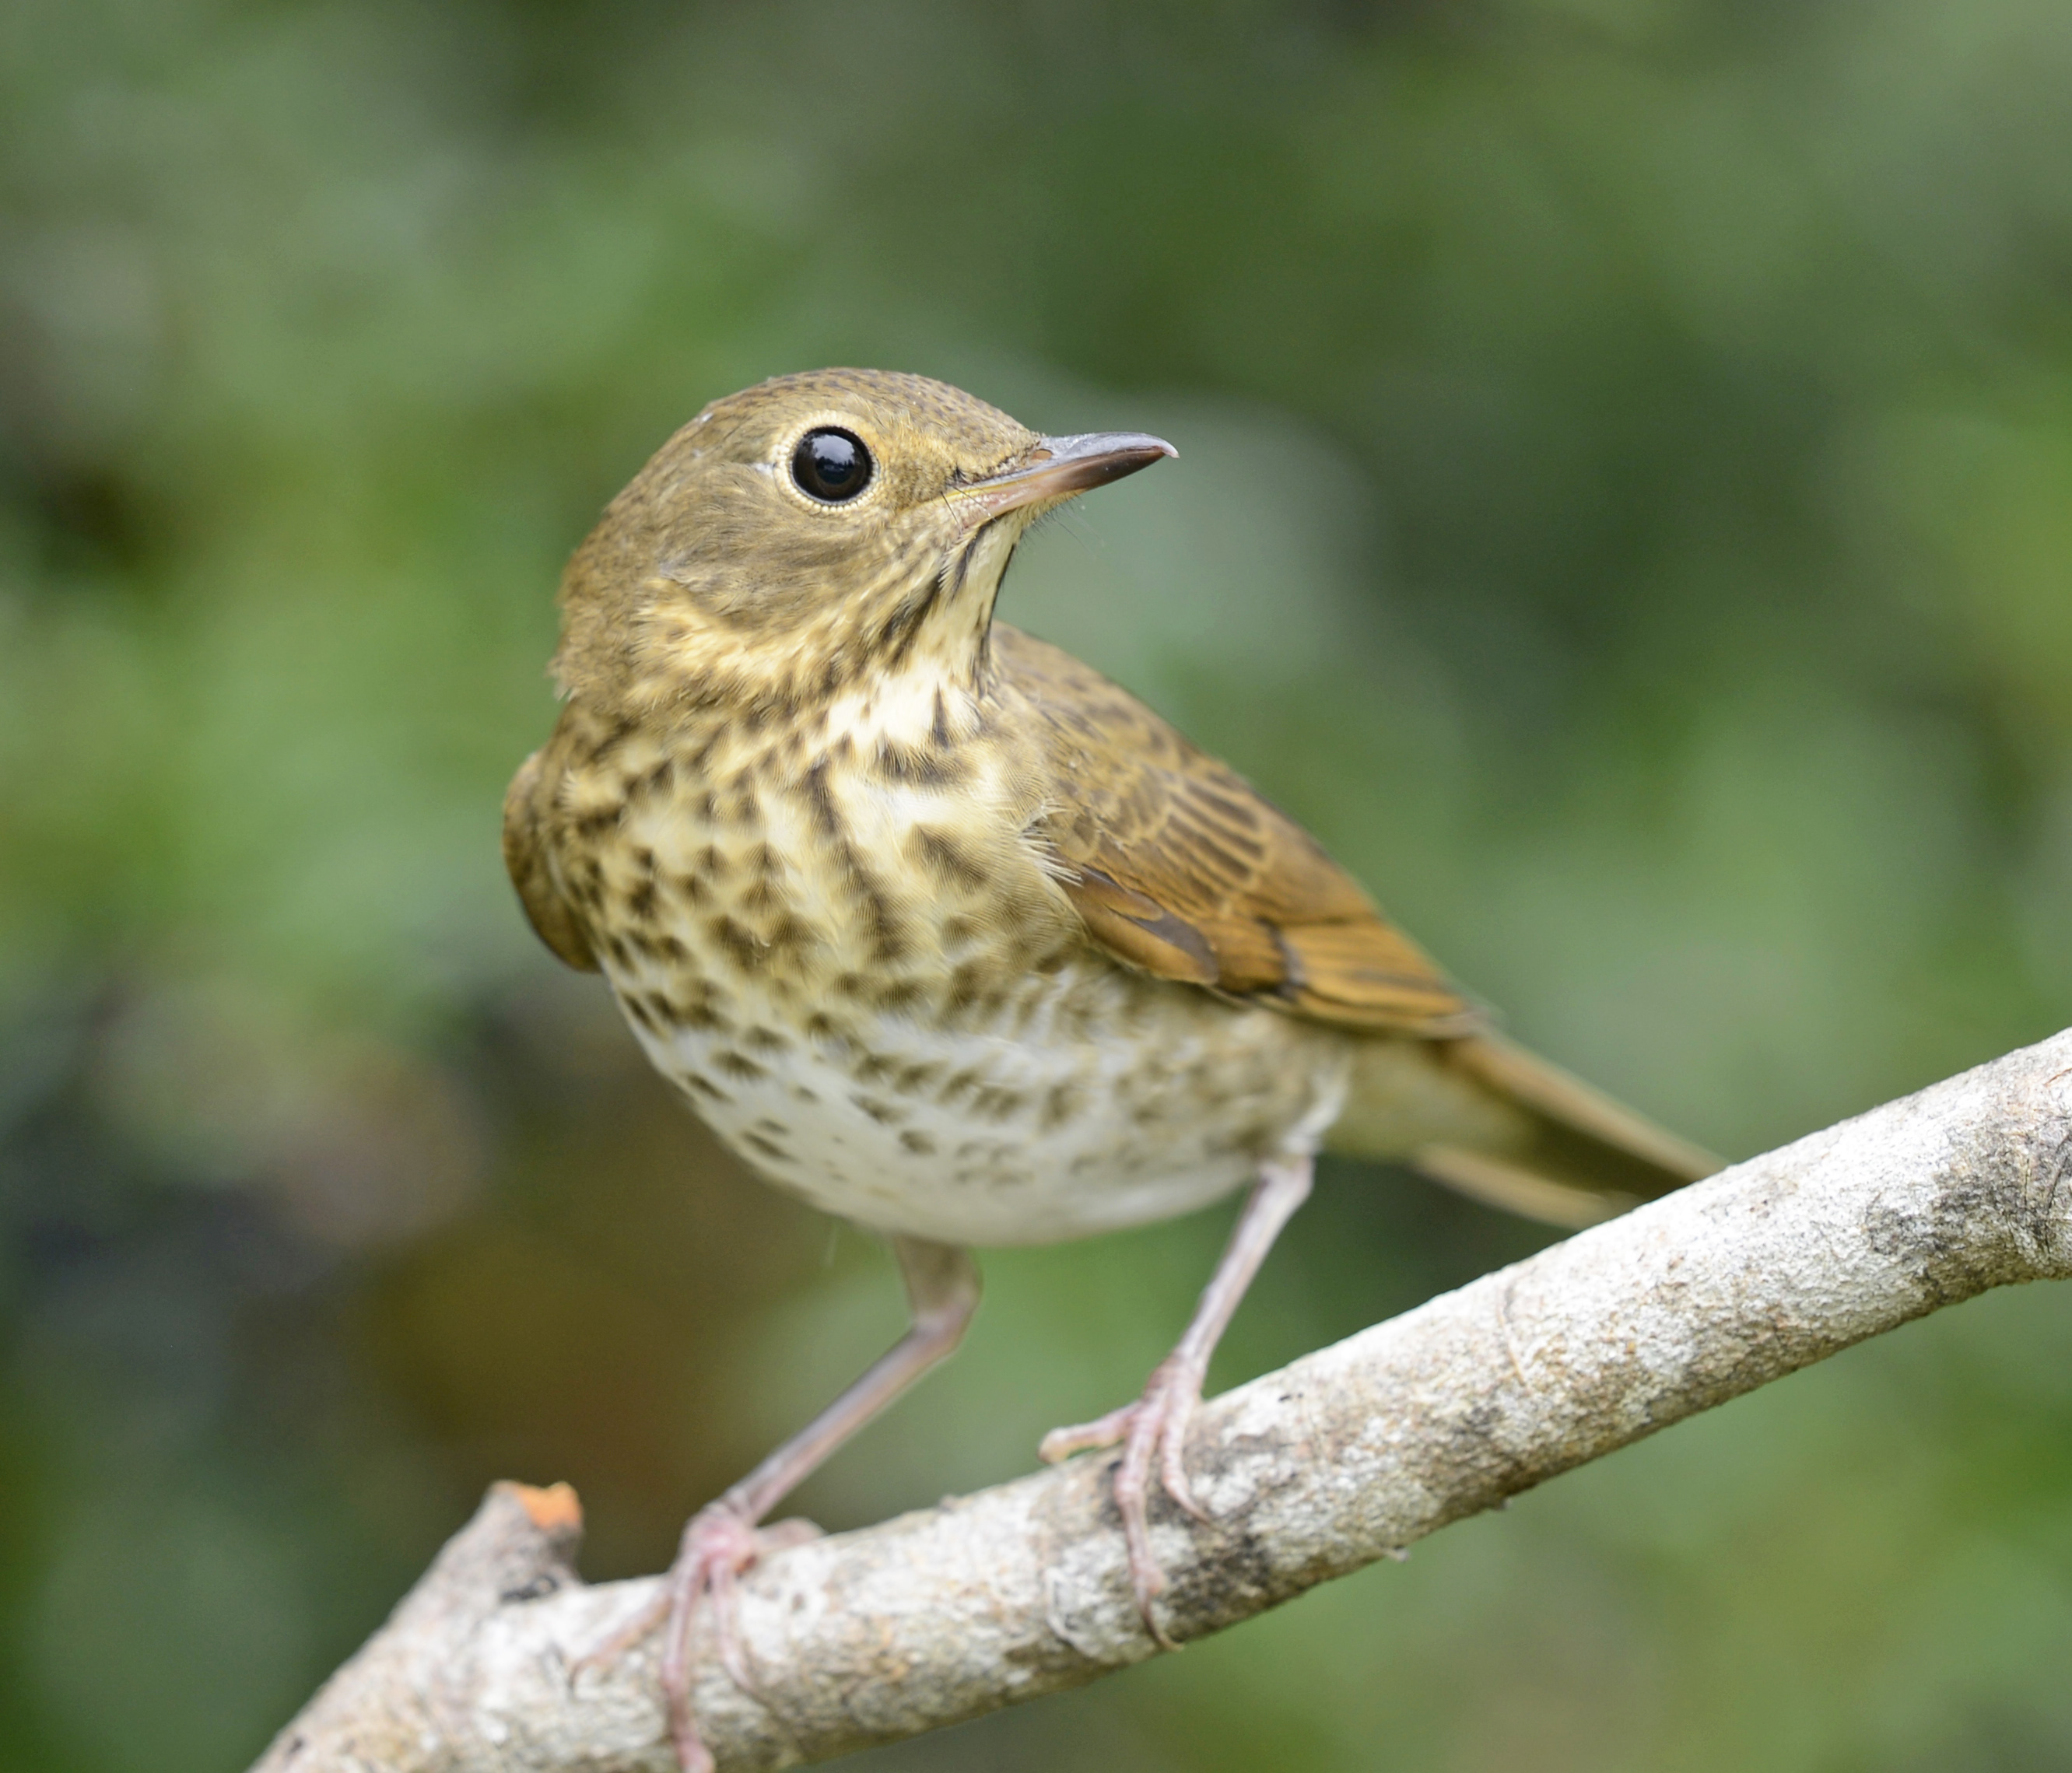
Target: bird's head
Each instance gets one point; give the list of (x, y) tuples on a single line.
[(796, 536)]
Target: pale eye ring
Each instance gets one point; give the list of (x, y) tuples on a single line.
[(831, 465)]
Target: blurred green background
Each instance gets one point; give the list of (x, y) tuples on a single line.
[(1625, 505)]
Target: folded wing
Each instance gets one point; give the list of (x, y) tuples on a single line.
[(1181, 867)]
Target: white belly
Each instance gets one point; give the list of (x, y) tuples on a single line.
[(1095, 1099)]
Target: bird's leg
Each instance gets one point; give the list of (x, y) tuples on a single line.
[(1153, 1429), (721, 1540)]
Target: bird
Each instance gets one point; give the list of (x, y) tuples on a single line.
[(948, 935)]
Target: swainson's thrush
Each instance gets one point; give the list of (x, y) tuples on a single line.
[(950, 936)]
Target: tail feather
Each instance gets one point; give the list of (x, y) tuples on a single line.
[(1503, 1126)]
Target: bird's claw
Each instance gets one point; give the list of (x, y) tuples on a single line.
[(719, 1543), (1152, 1432)]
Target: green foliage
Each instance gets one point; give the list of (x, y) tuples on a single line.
[(1624, 504)]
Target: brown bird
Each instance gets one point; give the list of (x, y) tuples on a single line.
[(947, 934)]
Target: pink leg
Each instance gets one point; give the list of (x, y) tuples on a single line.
[(721, 1540), (1154, 1428)]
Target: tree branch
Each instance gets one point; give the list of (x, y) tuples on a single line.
[(1344, 1457)]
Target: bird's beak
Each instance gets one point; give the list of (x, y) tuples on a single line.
[(1059, 467)]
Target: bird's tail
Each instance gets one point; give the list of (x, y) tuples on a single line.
[(1485, 1117)]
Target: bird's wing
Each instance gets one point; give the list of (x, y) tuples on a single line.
[(553, 919), (1180, 868)]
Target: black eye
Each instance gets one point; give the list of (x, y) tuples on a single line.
[(831, 465)]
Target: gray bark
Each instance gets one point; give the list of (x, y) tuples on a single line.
[(1346, 1456)]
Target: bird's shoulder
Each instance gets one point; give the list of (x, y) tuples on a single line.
[(1179, 867), (528, 804)]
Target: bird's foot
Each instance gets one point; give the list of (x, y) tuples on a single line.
[(1152, 1432), (719, 1543)]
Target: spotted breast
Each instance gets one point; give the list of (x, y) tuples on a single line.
[(850, 948)]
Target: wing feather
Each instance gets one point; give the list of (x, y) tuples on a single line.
[(553, 919), (1178, 866)]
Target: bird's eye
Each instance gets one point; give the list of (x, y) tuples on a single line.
[(831, 466)]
